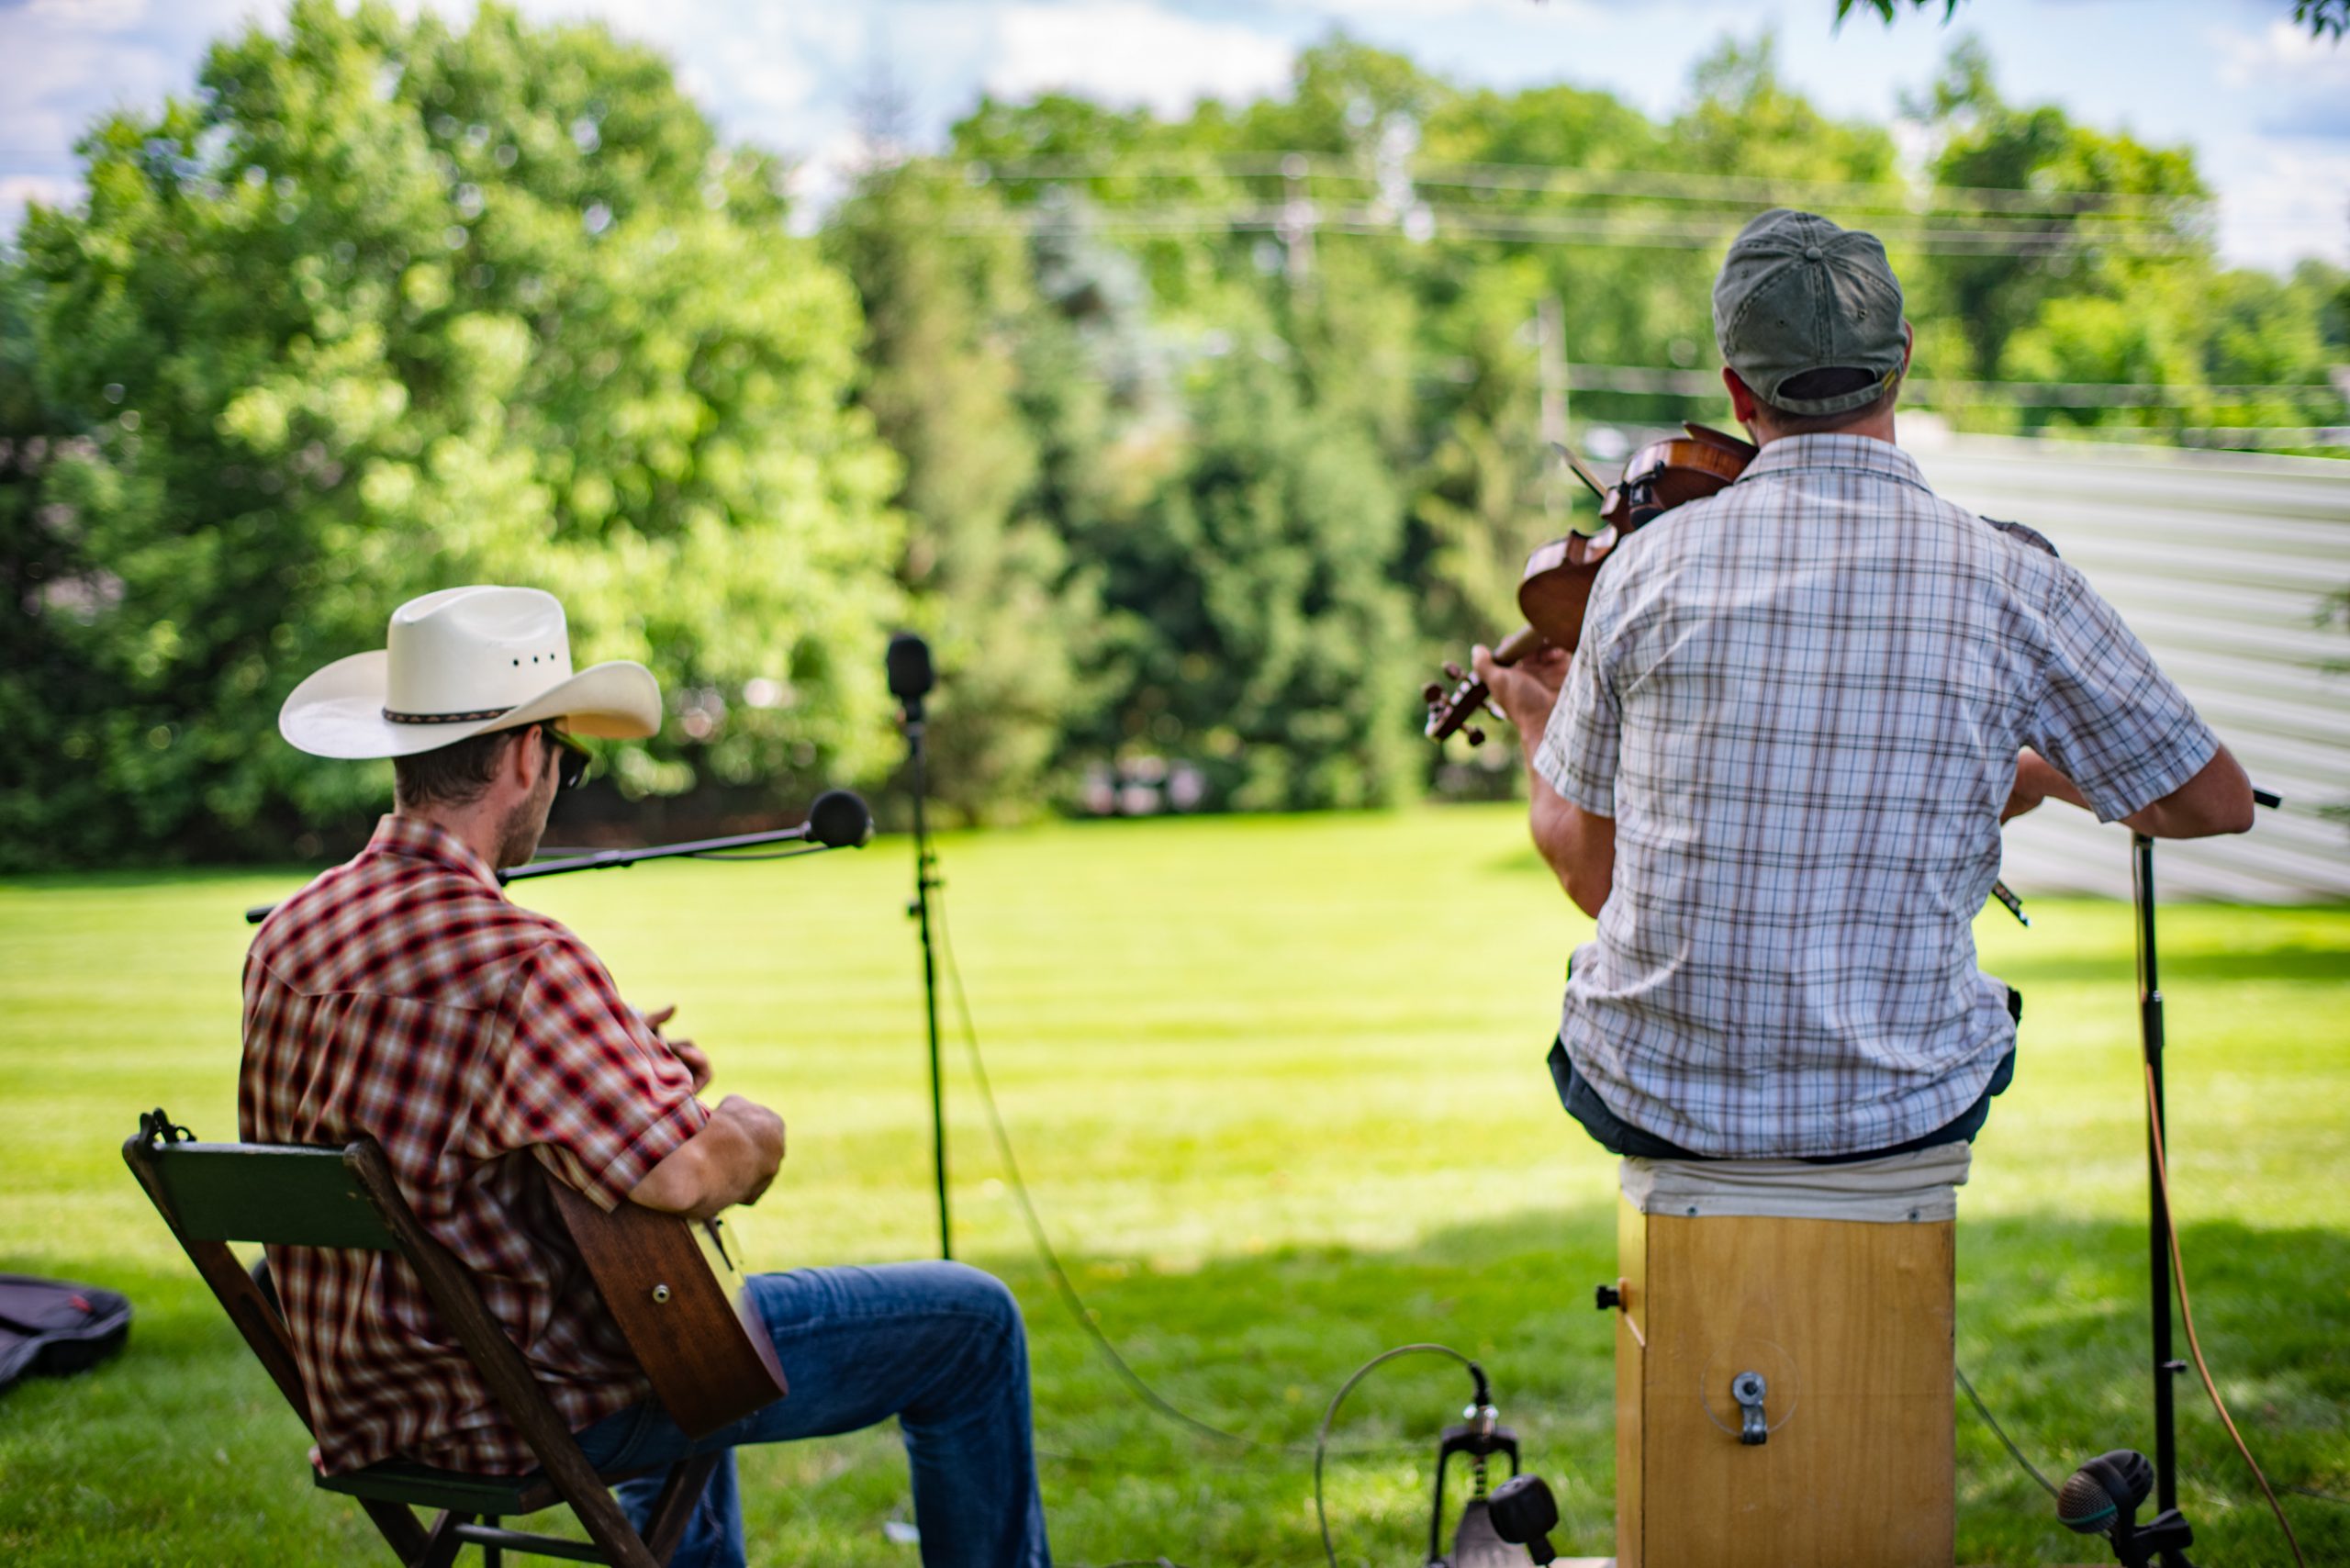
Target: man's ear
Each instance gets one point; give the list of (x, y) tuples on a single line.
[(1909, 344), (1741, 396), (524, 759)]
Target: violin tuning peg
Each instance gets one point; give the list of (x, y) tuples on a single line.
[(1476, 736), (1454, 670), (1431, 694)]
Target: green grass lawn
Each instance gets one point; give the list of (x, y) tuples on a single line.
[(1278, 1086)]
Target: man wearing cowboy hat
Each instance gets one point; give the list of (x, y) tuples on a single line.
[(1776, 768), (401, 995)]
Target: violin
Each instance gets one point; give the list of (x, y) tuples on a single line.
[(1555, 588)]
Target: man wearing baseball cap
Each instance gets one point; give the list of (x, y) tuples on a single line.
[(487, 1050), (1775, 767)]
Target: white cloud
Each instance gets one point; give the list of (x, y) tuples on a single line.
[(1128, 51), (2281, 56), (2284, 203), (16, 190), (89, 16)]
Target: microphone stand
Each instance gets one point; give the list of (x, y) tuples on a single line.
[(2150, 1036), (925, 880), (910, 680)]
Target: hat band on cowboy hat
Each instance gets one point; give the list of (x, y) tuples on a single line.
[(463, 662)]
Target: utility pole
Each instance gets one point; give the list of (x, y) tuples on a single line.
[(1550, 354), (1296, 226)]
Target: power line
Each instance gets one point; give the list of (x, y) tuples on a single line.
[(1665, 185), (1573, 229), (1930, 389)]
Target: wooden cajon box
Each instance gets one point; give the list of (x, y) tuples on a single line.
[(1849, 1323)]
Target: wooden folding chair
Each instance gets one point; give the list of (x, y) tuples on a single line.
[(213, 1193)]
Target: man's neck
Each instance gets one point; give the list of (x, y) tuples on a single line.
[(472, 829), (1877, 428)]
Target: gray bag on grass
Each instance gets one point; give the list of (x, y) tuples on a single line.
[(54, 1327)]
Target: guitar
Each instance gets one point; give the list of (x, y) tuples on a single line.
[(673, 1287)]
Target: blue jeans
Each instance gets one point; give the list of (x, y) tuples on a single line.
[(937, 1345)]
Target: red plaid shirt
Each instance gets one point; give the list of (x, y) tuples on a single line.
[(402, 995)]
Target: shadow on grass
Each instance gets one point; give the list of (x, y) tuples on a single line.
[(150, 1458)]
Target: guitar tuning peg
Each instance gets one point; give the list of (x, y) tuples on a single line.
[(1431, 694), (1454, 670), (1476, 736)]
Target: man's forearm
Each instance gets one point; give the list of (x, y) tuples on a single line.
[(1579, 848), (729, 1161), (2217, 799)]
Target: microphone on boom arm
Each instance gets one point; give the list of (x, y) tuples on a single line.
[(839, 819)]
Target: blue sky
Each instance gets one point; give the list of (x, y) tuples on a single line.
[(2266, 109)]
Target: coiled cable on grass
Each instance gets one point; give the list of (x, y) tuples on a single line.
[(1321, 1435)]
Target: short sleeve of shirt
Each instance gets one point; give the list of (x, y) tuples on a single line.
[(1578, 751), (2108, 719), (582, 1082)]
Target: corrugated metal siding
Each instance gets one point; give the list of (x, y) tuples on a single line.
[(2220, 562)]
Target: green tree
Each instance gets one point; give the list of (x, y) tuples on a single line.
[(2324, 18), (1278, 650), (2143, 215), (391, 306), (989, 582), (49, 674)]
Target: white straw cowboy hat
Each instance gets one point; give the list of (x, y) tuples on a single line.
[(461, 663)]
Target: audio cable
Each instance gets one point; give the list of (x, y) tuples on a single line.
[(2187, 1316)]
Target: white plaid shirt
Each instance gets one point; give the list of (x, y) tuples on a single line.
[(1801, 702)]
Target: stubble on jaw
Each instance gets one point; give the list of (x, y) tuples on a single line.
[(519, 834)]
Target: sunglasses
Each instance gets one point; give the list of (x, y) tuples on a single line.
[(571, 759)]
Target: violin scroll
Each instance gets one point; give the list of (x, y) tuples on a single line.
[(1449, 713), (1555, 589)]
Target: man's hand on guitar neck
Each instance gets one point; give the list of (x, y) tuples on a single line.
[(730, 1160)]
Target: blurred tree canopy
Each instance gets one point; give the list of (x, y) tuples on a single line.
[(388, 307), (1193, 442)]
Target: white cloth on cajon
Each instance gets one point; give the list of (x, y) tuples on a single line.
[(1917, 1188)]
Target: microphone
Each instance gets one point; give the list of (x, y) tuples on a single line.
[(2105, 1492), (911, 677), (1524, 1513), (2103, 1498), (840, 820)]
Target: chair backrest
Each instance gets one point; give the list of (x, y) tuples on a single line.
[(287, 1195)]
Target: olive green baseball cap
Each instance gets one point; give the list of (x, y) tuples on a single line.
[(1797, 294)]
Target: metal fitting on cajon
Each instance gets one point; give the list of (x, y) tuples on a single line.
[(1617, 1297), (1748, 1388)]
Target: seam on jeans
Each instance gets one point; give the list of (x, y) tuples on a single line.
[(831, 1319)]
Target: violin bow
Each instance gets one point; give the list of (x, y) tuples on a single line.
[(1581, 470)]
